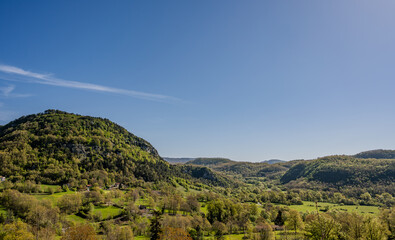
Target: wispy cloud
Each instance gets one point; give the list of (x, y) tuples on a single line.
[(8, 92), (12, 73)]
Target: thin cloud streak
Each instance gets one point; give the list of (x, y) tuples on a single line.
[(15, 74)]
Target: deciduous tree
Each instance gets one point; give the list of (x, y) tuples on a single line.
[(294, 221), (80, 232)]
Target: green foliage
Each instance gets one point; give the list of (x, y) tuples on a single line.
[(322, 227), (56, 147), (16, 231), (379, 154), (19, 203), (88, 157), (86, 232), (207, 176), (210, 161), (279, 220), (294, 221), (343, 170), (156, 226), (119, 233), (70, 203), (245, 169)]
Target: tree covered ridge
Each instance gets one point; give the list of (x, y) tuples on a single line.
[(244, 169), (57, 147), (342, 170), (209, 161), (378, 153), (63, 124)]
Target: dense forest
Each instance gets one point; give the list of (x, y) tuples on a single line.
[(56, 147), (66, 176), (243, 169), (343, 171), (378, 154)]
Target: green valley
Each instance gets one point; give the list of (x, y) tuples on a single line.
[(67, 175)]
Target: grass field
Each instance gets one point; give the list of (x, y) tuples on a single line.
[(44, 187), (141, 238), (53, 197), (310, 207), (76, 219), (107, 212)]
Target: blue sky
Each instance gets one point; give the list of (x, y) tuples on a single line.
[(248, 80)]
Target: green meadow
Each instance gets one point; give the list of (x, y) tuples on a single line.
[(324, 206), (76, 219), (52, 197), (107, 212)]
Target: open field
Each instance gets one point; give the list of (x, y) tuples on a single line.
[(45, 187), (107, 212), (52, 197), (310, 207), (141, 238), (76, 219)]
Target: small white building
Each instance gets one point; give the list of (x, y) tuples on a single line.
[(2, 179)]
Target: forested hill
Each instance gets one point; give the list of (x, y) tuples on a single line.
[(336, 171), (209, 161), (58, 147), (343, 170), (243, 169), (379, 154)]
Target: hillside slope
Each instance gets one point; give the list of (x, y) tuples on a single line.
[(209, 161), (378, 154), (56, 147), (244, 169), (343, 170)]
